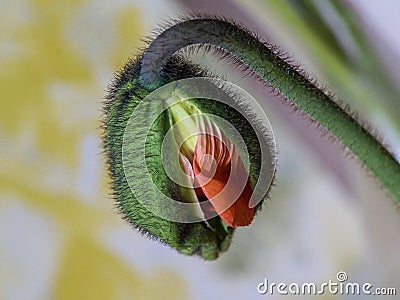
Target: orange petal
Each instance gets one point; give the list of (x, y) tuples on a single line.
[(222, 176)]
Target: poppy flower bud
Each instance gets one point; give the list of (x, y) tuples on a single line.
[(181, 152)]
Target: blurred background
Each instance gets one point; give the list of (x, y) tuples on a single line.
[(60, 234)]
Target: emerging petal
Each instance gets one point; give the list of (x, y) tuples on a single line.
[(222, 175)]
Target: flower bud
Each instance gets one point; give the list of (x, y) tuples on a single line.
[(216, 178)]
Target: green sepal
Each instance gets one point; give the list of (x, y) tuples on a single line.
[(207, 239)]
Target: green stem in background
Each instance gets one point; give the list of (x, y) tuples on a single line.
[(272, 68), (342, 51)]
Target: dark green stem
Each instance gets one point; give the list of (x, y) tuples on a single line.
[(287, 79)]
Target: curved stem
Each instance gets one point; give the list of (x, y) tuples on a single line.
[(274, 70)]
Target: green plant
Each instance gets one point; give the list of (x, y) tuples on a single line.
[(159, 65)]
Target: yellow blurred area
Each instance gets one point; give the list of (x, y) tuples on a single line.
[(53, 57)]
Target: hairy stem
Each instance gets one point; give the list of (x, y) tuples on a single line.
[(265, 60)]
